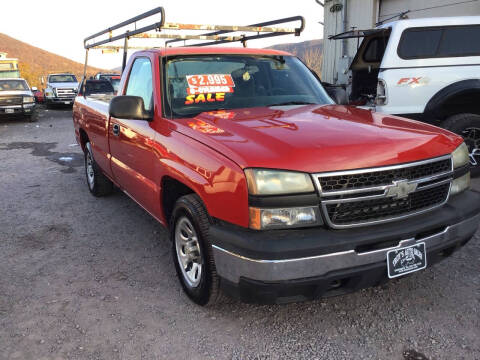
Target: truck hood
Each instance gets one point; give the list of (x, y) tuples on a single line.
[(315, 138), (16, 92), (63, 85)]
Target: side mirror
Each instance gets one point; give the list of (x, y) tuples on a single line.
[(34, 88), (129, 107)]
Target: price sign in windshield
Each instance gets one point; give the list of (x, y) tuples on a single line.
[(210, 83)]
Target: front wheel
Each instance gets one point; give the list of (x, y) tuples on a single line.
[(33, 117), (192, 251), (467, 126)]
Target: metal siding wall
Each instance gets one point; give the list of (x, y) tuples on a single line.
[(360, 13), (363, 15), (332, 50), (388, 8)]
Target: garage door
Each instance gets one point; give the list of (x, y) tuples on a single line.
[(428, 8)]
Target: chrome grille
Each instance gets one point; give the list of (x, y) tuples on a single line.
[(11, 100), (384, 208), (371, 196), (66, 93), (385, 177)]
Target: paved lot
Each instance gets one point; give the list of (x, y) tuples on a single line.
[(86, 278)]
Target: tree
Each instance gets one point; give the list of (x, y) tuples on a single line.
[(313, 59)]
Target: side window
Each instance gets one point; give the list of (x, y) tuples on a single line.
[(460, 41), (140, 82), (450, 41), (419, 43)]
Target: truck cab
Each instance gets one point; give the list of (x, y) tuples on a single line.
[(113, 78), (60, 89), (8, 67), (16, 99)]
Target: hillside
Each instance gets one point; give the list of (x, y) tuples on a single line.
[(309, 51), (35, 62)]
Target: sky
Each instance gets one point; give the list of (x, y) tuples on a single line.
[(61, 26)]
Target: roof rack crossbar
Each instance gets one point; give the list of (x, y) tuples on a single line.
[(243, 39), (277, 32), (186, 37)]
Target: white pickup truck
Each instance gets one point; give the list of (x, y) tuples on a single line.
[(424, 69), (61, 89)]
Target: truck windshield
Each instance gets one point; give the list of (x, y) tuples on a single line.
[(195, 84), (11, 85), (62, 78)]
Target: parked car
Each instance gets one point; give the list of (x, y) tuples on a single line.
[(271, 192), (423, 69), (16, 99), (38, 94), (61, 89)]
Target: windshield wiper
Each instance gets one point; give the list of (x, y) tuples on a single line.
[(293, 103)]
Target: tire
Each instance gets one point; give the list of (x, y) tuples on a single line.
[(467, 126), (189, 226), (33, 117), (98, 184)]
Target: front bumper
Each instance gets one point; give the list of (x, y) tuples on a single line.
[(25, 109), (62, 100), (282, 266)]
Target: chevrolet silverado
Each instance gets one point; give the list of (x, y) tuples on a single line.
[(270, 191)]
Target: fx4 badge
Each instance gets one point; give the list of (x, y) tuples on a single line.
[(413, 81), (401, 189)]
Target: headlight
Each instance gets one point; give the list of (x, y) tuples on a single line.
[(460, 184), (28, 99), (48, 93), (460, 156), (281, 218), (275, 182), (263, 182)]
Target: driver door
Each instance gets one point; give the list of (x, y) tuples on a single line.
[(131, 142)]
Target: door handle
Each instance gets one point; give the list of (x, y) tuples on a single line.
[(116, 129)]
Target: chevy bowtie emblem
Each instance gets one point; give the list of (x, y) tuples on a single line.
[(401, 189)]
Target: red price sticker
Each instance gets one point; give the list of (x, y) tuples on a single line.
[(210, 80), (210, 83)]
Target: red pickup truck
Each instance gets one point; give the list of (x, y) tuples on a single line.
[(271, 192)]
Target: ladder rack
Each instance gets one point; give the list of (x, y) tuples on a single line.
[(219, 34)]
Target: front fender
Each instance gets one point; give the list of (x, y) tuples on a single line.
[(217, 180)]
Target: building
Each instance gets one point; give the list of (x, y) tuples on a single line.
[(8, 67), (345, 15)]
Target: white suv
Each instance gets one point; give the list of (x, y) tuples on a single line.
[(425, 69)]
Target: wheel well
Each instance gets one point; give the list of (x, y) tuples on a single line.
[(463, 102), (457, 98), (83, 138), (172, 190)]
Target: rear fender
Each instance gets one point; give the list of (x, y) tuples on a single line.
[(436, 107)]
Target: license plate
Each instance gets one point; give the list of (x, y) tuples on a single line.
[(67, 102), (406, 260), (9, 111)]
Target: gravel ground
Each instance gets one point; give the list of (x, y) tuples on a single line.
[(87, 278)]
